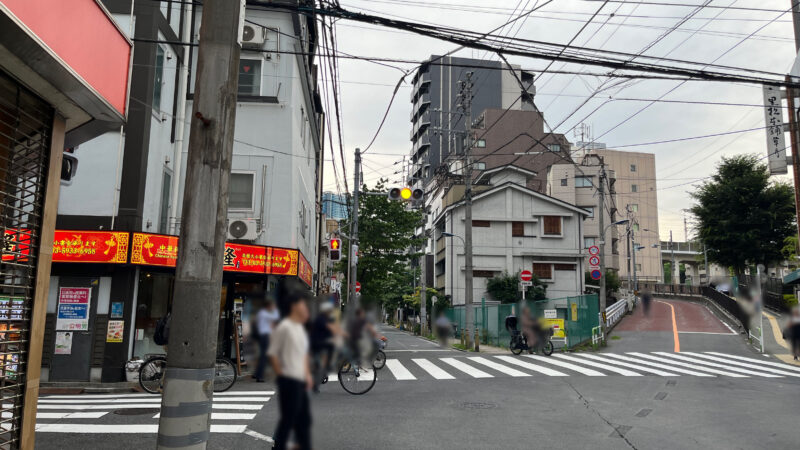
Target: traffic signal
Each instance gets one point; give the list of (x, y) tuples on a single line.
[(406, 194), (335, 249)]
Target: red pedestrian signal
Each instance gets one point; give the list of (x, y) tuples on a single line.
[(335, 249)]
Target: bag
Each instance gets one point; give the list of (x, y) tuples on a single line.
[(161, 335)]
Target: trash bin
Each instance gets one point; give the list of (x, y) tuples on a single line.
[(132, 370)]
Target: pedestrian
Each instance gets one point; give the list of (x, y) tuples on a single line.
[(266, 318), (443, 328), (288, 352), (647, 299), (793, 332), (324, 330)]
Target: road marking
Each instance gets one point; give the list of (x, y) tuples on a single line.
[(398, 370), (224, 416), (466, 368), (691, 366), (433, 369), (705, 332), (498, 367), (770, 363), (233, 393), (115, 396), (776, 331), (713, 364), (259, 436), (623, 372), (674, 327), (63, 415), (660, 366), (154, 400), (579, 369), (145, 406), (531, 366), (415, 351), (743, 364), (84, 428), (625, 364)]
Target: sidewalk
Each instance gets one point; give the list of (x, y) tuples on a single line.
[(774, 343)]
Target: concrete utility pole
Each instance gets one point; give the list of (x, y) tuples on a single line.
[(423, 294), (708, 272), (794, 129), (628, 245), (633, 256), (672, 270), (352, 296), (189, 380), (466, 105), (601, 209)]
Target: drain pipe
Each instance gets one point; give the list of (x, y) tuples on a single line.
[(183, 81)]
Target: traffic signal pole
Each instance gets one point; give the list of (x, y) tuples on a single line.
[(352, 296), (188, 387)]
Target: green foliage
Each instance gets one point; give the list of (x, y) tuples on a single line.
[(612, 281), (505, 288), (789, 249), (742, 216), (790, 300)]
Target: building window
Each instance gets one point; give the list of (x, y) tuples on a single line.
[(481, 224), (303, 219), (249, 77), (483, 274), (590, 209), (554, 148), (634, 188), (583, 182), (479, 166), (165, 190), (543, 271), (240, 195), (517, 229), (563, 181), (638, 267), (480, 143), (570, 267), (633, 167), (588, 242), (635, 227), (552, 225), (158, 78), (635, 207)]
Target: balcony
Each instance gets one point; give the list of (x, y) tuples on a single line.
[(422, 101)]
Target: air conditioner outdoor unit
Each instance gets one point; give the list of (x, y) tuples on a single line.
[(242, 229), (253, 36)]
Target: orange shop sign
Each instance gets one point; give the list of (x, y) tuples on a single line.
[(16, 244), (245, 258), (154, 249), (304, 271), (90, 246), (283, 262)]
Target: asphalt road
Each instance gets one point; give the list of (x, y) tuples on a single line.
[(636, 393)]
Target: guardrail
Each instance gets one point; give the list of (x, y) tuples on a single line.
[(615, 312)]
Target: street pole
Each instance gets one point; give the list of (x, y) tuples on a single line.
[(352, 296), (672, 269), (466, 99), (628, 245), (760, 305), (794, 129), (633, 256), (188, 393), (705, 258), (423, 294), (601, 214)]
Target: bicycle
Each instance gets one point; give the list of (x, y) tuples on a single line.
[(379, 358), (353, 375), (151, 374)]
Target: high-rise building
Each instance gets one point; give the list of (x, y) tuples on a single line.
[(334, 206)]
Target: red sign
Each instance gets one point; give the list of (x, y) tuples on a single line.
[(594, 250), (526, 275), (16, 245), (245, 258), (304, 271), (154, 249), (358, 287), (283, 261), (90, 246)]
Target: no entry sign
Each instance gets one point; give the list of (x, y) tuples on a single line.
[(526, 275), (358, 287)]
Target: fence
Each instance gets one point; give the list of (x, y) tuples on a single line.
[(771, 291), (578, 315)]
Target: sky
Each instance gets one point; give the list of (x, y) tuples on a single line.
[(757, 40)]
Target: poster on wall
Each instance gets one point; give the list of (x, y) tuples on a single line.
[(63, 343), (73, 308), (116, 310), (115, 330), (12, 308)]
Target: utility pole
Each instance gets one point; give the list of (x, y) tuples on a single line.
[(601, 208), (423, 294), (705, 257), (352, 295), (633, 256), (188, 393), (685, 230), (628, 245), (794, 129), (466, 105), (672, 270)]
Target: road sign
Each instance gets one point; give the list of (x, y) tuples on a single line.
[(596, 274), (526, 275), (358, 287), (594, 260), (526, 283), (550, 313), (594, 250)]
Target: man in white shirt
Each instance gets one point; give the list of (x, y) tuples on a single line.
[(266, 318), (289, 354)]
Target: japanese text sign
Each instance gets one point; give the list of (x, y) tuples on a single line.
[(90, 246), (776, 140)]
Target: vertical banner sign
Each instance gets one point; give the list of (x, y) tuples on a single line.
[(73, 308), (776, 141), (304, 271)]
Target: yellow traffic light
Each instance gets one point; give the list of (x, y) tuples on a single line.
[(405, 193)]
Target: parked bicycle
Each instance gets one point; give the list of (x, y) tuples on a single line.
[(519, 342), (153, 370)]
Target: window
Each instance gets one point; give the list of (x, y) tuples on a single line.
[(249, 77), (635, 207), (482, 273), (590, 209), (570, 267), (583, 182), (165, 189), (552, 225), (588, 242), (158, 78), (543, 271), (240, 195), (479, 166), (553, 148), (563, 181), (303, 219), (480, 143), (634, 188), (633, 167), (635, 227), (517, 229), (638, 267), (481, 224)]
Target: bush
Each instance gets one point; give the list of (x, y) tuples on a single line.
[(790, 300)]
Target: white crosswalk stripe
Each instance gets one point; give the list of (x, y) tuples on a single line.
[(433, 369), (531, 366), (661, 366), (689, 365), (639, 367), (466, 368), (713, 364), (623, 372), (576, 368), (399, 370), (499, 367), (744, 364), (757, 361)]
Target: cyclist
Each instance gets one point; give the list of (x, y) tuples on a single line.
[(531, 328), (355, 331), (323, 331)]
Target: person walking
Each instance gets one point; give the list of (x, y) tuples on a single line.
[(266, 318), (289, 354), (794, 332)]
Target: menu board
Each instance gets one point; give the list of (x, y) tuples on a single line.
[(90, 246)]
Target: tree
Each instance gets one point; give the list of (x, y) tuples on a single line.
[(505, 288), (386, 231), (612, 281), (742, 217)]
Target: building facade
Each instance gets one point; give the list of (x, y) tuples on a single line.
[(334, 206)]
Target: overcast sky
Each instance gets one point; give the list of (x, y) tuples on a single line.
[(366, 88)]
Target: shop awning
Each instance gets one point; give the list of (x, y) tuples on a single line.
[(792, 278)]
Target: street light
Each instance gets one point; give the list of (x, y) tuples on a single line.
[(446, 234), (619, 222)]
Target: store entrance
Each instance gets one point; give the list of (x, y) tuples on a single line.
[(75, 320), (242, 296)]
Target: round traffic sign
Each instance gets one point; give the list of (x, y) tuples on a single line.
[(594, 250), (526, 275), (594, 260), (596, 275), (358, 287)]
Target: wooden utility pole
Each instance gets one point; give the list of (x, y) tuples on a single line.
[(189, 381)]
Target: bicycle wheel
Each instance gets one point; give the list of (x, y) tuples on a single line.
[(356, 380), (224, 375), (151, 374), (380, 360), (547, 348), (514, 346)]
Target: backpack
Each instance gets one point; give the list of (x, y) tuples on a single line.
[(161, 335)]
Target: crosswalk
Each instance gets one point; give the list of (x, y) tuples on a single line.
[(87, 413), (631, 364)]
